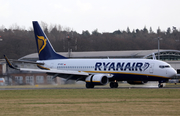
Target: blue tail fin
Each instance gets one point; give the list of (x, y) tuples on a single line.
[(44, 47)]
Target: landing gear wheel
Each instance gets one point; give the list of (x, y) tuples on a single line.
[(160, 85), (116, 85), (89, 85), (113, 84)]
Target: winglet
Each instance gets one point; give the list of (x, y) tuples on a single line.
[(9, 63)]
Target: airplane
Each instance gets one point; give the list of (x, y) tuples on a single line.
[(96, 71)]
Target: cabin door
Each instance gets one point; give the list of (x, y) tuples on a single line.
[(151, 68)]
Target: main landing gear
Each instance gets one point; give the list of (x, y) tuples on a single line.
[(88, 85), (113, 84)]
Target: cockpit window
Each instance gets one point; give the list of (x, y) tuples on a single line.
[(164, 66), (167, 66)]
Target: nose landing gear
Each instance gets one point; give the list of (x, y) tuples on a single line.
[(160, 85)]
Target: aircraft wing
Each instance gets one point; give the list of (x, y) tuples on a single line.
[(55, 71), (68, 74)]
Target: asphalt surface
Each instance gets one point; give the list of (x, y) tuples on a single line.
[(96, 87), (149, 85)]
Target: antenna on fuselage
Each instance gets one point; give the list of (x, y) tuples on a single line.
[(154, 56)]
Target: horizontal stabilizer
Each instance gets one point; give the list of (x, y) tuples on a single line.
[(25, 61)]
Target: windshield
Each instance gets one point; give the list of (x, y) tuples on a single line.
[(164, 66)]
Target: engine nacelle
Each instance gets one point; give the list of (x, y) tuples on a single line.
[(97, 79), (137, 82)]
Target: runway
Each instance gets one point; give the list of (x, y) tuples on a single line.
[(82, 86), (86, 88)]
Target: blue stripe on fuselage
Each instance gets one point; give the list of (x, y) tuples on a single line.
[(123, 76)]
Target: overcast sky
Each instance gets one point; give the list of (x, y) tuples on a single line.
[(104, 15)]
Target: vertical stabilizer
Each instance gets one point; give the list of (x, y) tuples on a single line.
[(44, 47)]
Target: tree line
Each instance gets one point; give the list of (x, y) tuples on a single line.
[(18, 42)]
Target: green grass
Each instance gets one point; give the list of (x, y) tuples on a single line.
[(99, 102)]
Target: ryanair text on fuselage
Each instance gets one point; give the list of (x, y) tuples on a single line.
[(121, 66)]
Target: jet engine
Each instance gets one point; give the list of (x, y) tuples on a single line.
[(97, 79), (137, 82)]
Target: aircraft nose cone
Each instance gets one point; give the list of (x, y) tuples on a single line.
[(172, 73)]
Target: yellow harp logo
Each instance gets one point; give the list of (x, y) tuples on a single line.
[(41, 43)]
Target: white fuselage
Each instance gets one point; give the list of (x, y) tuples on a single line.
[(150, 69)]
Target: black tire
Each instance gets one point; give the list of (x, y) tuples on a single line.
[(115, 85), (92, 86), (111, 84), (160, 85), (89, 85)]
